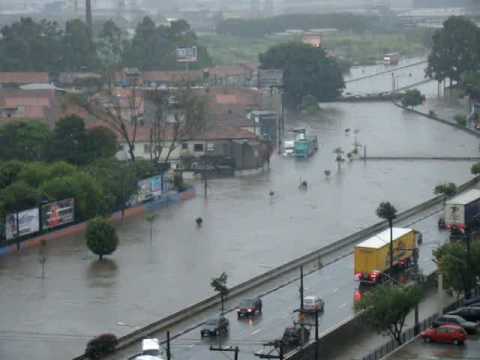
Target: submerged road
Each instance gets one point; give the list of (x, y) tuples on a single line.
[(334, 283)]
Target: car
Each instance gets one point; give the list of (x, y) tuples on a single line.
[(215, 326), (471, 313), (469, 326), (295, 336), (448, 333), (313, 304), (249, 307), (150, 350), (472, 301)]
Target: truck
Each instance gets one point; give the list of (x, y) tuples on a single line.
[(463, 211), (305, 145), (391, 58), (372, 256)]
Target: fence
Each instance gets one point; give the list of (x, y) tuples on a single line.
[(408, 334)]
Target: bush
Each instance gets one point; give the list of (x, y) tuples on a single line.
[(101, 237), (461, 119), (100, 346)]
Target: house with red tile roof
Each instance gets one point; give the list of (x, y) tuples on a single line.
[(38, 105), (16, 79)]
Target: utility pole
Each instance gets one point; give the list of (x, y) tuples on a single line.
[(169, 355), (225, 349), (301, 288), (468, 284), (88, 17)]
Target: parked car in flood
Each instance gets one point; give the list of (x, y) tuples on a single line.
[(452, 334)]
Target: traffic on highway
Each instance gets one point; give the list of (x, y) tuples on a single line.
[(331, 288)]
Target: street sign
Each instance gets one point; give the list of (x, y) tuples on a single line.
[(187, 55), (270, 78)]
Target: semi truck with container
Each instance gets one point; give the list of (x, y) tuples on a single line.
[(463, 211), (372, 256)]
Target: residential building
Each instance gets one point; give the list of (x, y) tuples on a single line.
[(16, 79), (29, 105)]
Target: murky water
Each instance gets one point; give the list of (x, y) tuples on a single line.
[(246, 231)]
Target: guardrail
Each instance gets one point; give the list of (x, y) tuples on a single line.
[(195, 309)]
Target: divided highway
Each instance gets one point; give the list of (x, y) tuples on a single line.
[(334, 283)]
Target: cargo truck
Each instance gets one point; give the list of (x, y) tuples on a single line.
[(305, 145), (372, 256), (463, 211)]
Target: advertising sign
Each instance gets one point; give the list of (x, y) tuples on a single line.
[(270, 78), (28, 222), (58, 213), (187, 55), (156, 184)]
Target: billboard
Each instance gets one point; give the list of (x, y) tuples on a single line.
[(22, 223), (58, 213), (187, 55), (270, 78), (149, 188)]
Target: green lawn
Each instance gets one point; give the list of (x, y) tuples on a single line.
[(359, 49)]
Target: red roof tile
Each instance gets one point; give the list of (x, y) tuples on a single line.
[(21, 78)]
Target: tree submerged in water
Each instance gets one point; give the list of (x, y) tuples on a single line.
[(101, 237)]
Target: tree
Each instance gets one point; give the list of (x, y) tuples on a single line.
[(26, 45), (9, 171), (101, 237), (386, 308), (460, 119), (24, 141), (455, 50), (79, 49), (447, 189), (69, 140), (219, 284), (101, 142), (388, 212), (471, 84), (451, 259), (190, 111), (412, 98), (110, 47), (16, 197), (475, 169), (307, 70)]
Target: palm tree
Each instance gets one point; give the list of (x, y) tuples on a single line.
[(388, 212), (220, 285)]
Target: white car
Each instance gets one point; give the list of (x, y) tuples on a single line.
[(313, 303), (150, 350)]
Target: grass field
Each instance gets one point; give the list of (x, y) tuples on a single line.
[(358, 49)]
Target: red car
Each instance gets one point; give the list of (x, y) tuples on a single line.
[(448, 333)]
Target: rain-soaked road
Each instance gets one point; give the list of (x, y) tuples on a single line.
[(245, 232)]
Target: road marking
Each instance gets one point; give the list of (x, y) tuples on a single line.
[(256, 332), (334, 291), (342, 306)]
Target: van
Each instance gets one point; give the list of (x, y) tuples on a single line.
[(313, 304)]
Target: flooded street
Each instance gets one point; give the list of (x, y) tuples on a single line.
[(246, 231)]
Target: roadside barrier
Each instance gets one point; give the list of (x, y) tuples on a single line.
[(313, 257)]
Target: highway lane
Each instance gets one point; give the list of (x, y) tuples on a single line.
[(334, 283)]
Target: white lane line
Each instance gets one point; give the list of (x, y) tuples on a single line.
[(256, 332), (342, 306)]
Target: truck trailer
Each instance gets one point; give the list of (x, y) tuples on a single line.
[(372, 256), (463, 210), (305, 145)]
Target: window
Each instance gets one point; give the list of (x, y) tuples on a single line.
[(198, 147), (210, 147), (184, 146), (147, 148)]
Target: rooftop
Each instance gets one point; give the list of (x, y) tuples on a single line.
[(465, 197), (22, 78)]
